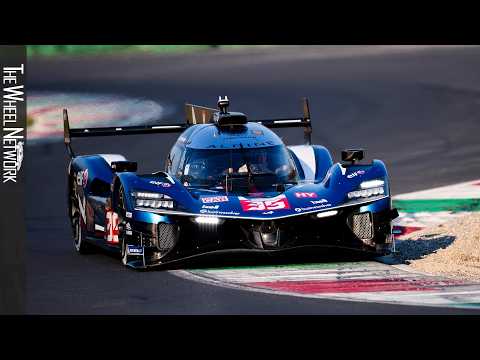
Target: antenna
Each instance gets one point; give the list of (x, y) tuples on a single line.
[(223, 104)]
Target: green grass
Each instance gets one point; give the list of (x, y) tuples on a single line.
[(54, 50), (435, 205)]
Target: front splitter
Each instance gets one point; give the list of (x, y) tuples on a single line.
[(235, 257)]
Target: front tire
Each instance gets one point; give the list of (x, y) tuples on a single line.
[(125, 257), (120, 208)]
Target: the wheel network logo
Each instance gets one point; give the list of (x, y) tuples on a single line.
[(13, 135)]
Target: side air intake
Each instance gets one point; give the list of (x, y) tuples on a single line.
[(362, 225), (167, 236)]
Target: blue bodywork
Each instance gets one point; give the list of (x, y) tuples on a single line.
[(322, 187)]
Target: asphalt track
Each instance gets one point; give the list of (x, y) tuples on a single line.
[(415, 109)]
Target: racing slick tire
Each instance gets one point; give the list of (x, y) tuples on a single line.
[(120, 208), (81, 246), (79, 242), (125, 257)]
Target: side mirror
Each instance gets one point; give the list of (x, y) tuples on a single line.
[(122, 166), (353, 155)]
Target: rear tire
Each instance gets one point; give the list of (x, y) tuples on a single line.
[(79, 242)]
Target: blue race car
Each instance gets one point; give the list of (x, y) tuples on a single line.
[(230, 184)]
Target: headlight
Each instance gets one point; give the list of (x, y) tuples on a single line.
[(372, 184), (152, 200), (207, 220), (367, 189), (327, 213)]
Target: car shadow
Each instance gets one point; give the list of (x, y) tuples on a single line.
[(239, 258), (258, 259), (408, 250)]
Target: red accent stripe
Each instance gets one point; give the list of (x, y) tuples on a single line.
[(352, 286), (404, 230), (477, 183)]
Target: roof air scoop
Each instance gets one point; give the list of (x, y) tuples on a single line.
[(225, 118)]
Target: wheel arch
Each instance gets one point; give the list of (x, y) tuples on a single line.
[(312, 161)]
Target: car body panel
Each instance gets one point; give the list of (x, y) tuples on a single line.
[(317, 205)]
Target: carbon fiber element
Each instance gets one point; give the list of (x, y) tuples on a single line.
[(167, 235), (362, 226)]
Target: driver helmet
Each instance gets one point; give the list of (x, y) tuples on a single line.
[(259, 162)]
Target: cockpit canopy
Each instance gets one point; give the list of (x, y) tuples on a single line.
[(238, 170), (242, 158)]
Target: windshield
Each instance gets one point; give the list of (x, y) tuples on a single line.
[(239, 170)]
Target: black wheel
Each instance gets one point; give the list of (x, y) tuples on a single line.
[(79, 242), (120, 209)]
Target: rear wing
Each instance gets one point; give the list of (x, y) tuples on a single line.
[(119, 130), (194, 115), (303, 121)]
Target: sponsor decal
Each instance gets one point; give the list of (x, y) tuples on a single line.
[(128, 228), (112, 227), (215, 212), (82, 178), (134, 250), (355, 174), (85, 178), (276, 203), (267, 212), (321, 201), (214, 199), (305, 195), (211, 207), (159, 183), (257, 132), (244, 144), (310, 208)]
